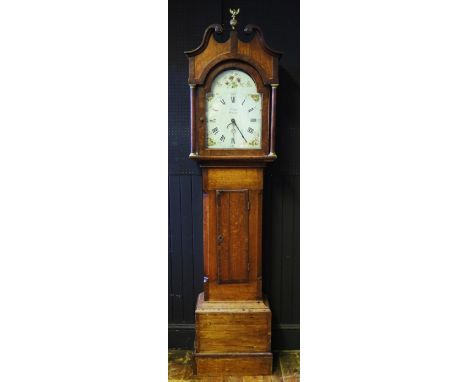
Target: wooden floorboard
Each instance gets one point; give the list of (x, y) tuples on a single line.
[(286, 366)]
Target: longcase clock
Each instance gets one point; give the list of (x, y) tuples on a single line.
[(233, 87)]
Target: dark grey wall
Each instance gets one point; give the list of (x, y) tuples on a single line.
[(279, 21)]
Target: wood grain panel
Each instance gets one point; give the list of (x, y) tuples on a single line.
[(232, 178), (234, 364), (243, 291), (216, 49), (233, 236), (233, 332), (255, 232), (255, 50), (223, 236), (210, 265), (197, 236), (261, 305)]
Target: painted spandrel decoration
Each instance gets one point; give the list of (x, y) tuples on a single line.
[(234, 112)]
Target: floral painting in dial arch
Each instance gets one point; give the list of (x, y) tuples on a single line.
[(234, 112)]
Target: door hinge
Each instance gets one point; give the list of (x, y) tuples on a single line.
[(248, 205)]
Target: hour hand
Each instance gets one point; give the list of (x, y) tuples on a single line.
[(233, 121)]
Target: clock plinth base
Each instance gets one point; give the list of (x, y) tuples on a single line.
[(232, 364), (232, 338)]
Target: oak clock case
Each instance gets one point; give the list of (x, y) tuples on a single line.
[(233, 88)]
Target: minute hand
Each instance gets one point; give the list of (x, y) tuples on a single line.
[(235, 124)]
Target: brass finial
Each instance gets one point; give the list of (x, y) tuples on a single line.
[(233, 20)]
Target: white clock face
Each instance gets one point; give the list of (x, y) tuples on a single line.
[(233, 112)]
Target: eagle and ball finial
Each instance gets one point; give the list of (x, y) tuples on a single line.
[(233, 21)]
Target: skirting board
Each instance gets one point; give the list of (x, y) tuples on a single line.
[(284, 337)]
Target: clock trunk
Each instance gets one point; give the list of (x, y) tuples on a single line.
[(232, 209)]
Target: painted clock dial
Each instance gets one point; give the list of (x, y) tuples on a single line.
[(233, 112)]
